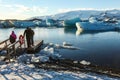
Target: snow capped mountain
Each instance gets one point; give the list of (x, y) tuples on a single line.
[(83, 14)]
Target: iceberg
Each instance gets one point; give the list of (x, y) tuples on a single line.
[(1, 26), (94, 24), (50, 22), (71, 22)]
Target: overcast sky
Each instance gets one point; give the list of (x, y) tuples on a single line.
[(22, 9)]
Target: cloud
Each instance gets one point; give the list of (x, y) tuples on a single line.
[(22, 7), (38, 9), (21, 11), (69, 9), (63, 10), (17, 11)]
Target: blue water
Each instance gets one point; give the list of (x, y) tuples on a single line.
[(101, 48)]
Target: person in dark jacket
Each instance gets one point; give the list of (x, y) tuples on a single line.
[(29, 36)]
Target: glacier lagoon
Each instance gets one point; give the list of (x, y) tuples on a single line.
[(101, 48)]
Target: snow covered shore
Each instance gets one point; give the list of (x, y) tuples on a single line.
[(21, 69)]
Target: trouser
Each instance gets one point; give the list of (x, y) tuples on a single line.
[(32, 41), (28, 42)]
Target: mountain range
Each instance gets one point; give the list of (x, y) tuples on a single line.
[(83, 14)]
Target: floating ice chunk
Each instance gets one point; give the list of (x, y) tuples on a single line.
[(40, 59), (49, 76), (31, 65), (75, 62), (46, 48), (51, 44), (35, 59), (44, 58), (57, 46), (55, 56), (84, 62), (3, 52), (51, 50), (24, 58), (66, 44), (71, 47)]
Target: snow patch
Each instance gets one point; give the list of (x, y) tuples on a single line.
[(83, 62), (23, 71)]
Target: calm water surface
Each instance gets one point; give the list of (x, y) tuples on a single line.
[(102, 48)]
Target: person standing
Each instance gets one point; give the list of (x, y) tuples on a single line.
[(12, 37), (29, 33), (21, 40), (28, 36)]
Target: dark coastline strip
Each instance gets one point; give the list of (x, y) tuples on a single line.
[(68, 65)]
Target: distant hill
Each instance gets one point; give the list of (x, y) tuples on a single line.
[(83, 14)]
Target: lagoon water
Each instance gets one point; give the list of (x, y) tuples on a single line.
[(101, 48)]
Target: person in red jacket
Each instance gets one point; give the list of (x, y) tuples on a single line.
[(21, 40), (13, 37)]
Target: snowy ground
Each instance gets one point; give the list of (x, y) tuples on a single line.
[(15, 71), (19, 70)]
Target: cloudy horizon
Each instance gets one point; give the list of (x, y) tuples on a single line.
[(16, 9)]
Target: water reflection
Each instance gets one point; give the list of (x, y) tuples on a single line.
[(70, 31), (99, 47), (81, 32), (78, 32)]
